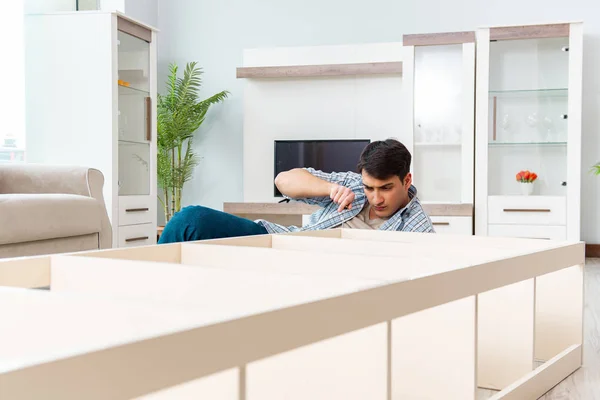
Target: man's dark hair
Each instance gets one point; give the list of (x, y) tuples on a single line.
[(383, 159)]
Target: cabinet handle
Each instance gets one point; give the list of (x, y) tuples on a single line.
[(137, 209), (441, 223), (137, 239), (527, 210), (148, 118)]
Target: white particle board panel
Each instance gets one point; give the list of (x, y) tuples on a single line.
[(523, 244), (505, 334), (170, 253), (267, 314), (444, 338), (350, 366), (235, 294), (345, 258), (198, 286), (309, 263), (535, 384), (78, 324), (575, 126), (220, 386), (559, 311), (26, 272)]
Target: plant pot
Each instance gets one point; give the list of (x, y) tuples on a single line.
[(526, 188)]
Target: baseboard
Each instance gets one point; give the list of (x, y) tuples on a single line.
[(592, 250)]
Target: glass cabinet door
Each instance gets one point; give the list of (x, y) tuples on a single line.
[(438, 118), (134, 115), (528, 101)]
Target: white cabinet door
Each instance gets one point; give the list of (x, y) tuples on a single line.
[(529, 231), (135, 210), (453, 225), (137, 235), (528, 210)]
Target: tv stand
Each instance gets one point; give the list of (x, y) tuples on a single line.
[(447, 217)]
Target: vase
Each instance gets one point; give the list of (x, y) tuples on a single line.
[(527, 188)]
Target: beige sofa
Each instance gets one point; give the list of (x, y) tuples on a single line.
[(51, 209)]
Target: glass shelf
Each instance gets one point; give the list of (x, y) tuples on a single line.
[(432, 144), (528, 143), (129, 141), (541, 92), (128, 90)]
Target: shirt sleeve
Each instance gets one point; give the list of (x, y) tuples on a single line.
[(348, 179)]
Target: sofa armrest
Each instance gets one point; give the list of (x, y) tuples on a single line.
[(46, 179), (33, 178)]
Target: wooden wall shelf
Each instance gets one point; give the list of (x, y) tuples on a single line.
[(530, 32), (303, 71), (435, 39)]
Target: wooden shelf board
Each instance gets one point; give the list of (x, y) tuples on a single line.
[(435, 39), (530, 32), (297, 71)]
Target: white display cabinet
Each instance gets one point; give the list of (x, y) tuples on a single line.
[(529, 87), (91, 101), (439, 74)]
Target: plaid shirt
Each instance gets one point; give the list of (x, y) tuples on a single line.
[(411, 218)]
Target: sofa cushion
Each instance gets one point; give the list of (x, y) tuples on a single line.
[(28, 217)]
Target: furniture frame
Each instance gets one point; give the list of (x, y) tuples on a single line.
[(316, 314), (109, 92), (545, 66), (450, 58)]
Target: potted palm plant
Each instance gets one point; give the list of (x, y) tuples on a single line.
[(596, 168), (179, 115)]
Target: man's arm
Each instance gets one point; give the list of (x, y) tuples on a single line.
[(299, 183)]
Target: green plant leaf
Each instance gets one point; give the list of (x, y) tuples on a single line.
[(179, 116)]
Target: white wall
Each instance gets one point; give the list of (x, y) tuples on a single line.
[(12, 106), (143, 10), (215, 33), (340, 107), (45, 6)]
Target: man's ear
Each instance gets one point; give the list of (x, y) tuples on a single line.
[(407, 180)]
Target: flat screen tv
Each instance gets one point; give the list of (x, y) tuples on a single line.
[(325, 155)]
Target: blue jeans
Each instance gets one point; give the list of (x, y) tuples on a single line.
[(201, 223)]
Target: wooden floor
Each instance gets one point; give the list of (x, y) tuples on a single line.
[(584, 384)]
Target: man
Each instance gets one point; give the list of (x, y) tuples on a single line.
[(380, 196)]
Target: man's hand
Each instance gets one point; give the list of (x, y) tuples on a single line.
[(342, 196)]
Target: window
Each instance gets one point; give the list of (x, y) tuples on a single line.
[(12, 71)]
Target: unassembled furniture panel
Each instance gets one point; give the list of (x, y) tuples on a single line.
[(331, 314)]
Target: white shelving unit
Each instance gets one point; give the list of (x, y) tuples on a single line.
[(529, 101), (439, 75), (91, 100)]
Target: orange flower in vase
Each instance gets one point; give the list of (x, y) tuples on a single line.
[(526, 178)]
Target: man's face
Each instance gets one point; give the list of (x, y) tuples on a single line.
[(388, 195)]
